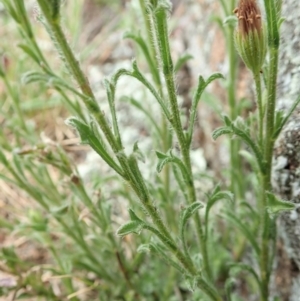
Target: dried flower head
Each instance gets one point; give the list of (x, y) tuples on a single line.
[(249, 16), (250, 36)]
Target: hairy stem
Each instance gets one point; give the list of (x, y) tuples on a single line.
[(134, 179), (257, 80), (236, 186), (168, 71), (269, 142), (273, 43), (152, 44)]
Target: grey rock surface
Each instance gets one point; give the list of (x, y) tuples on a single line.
[(286, 165)]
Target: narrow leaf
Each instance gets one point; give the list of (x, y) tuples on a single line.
[(29, 52), (161, 155), (32, 76), (229, 284), (140, 77), (242, 267), (227, 120), (181, 61), (186, 213), (281, 21), (279, 121), (276, 205), (160, 251), (242, 132), (89, 137), (55, 6), (221, 131), (189, 211), (231, 21), (286, 118), (220, 195), (250, 159), (134, 217), (3, 159), (144, 248), (202, 84), (12, 11), (163, 159), (145, 49), (244, 228), (60, 211), (146, 111), (138, 153), (130, 227)]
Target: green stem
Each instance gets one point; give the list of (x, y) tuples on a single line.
[(124, 271), (201, 283), (185, 247), (257, 80), (271, 112), (168, 71), (211, 292), (67, 281), (232, 75), (130, 167), (224, 6), (273, 43), (152, 44), (74, 67), (232, 5), (236, 185), (188, 266), (82, 243), (136, 182), (162, 233), (269, 142)]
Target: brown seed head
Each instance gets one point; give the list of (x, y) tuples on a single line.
[(249, 16)]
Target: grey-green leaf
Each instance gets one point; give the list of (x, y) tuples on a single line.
[(225, 195), (250, 159), (216, 196), (163, 159), (242, 226), (134, 217), (160, 251), (144, 248), (138, 153), (89, 137), (161, 155), (231, 21), (29, 52), (130, 227), (190, 210), (60, 211), (227, 120), (187, 212), (221, 131), (276, 205)]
